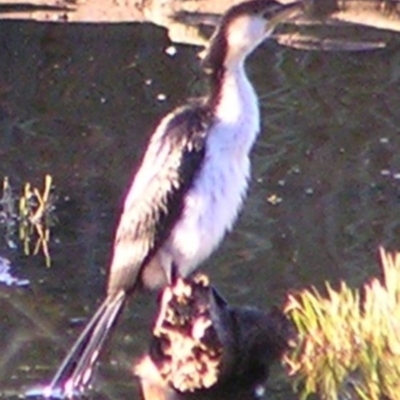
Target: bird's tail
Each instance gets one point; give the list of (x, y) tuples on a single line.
[(74, 374)]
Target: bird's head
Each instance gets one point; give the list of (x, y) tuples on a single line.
[(243, 28)]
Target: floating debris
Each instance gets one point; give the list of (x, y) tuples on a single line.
[(7, 278), (171, 51), (161, 97), (274, 199)]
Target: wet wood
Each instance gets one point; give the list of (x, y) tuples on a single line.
[(332, 25), (185, 19), (378, 13), (202, 348), (72, 10)]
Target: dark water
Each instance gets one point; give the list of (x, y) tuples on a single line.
[(78, 101)]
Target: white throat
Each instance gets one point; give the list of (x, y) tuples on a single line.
[(237, 108)]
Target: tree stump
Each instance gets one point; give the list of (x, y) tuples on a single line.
[(203, 348)]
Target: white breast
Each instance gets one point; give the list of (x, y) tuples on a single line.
[(213, 203)]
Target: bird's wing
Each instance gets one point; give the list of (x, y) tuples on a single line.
[(155, 199)]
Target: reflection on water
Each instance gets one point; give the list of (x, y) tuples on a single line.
[(77, 102)]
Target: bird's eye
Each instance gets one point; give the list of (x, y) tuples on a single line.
[(269, 12)]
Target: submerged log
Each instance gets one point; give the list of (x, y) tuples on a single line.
[(203, 348), (185, 20)]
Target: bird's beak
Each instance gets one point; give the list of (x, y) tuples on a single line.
[(283, 13)]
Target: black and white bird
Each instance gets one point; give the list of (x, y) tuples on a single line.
[(189, 188)]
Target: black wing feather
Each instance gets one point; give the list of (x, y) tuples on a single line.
[(156, 197)]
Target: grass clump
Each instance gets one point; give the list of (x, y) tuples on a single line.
[(348, 344), (31, 214)]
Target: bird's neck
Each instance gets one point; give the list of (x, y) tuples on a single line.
[(232, 94)]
